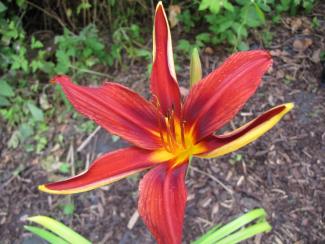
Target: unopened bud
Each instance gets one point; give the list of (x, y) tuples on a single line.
[(195, 67)]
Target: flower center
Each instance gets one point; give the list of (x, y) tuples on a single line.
[(175, 139), (178, 143), (172, 133)]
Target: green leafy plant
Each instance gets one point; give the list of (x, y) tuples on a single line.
[(57, 232), (86, 47), (242, 228), (6, 92), (292, 6), (230, 22)]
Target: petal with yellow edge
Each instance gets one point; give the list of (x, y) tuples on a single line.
[(106, 169), (220, 145), (216, 99), (117, 109), (164, 84), (162, 198)]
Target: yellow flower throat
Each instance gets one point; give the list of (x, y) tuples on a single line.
[(178, 142)]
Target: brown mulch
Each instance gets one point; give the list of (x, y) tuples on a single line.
[(283, 172)]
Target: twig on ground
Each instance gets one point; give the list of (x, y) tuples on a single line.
[(214, 179), (88, 139), (70, 158), (133, 220)]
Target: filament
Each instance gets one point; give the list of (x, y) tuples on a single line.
[(169, 134), (171, 139), (157, 105), (172, 123), (182, 125)]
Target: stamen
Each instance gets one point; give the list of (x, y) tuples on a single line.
[(170, 138), (172, 123), (182, 133), (157, 105), (182, 125)]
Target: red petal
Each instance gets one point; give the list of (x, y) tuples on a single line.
[(223, 144), (164, 84), (218, 97), (162, 202), (117, 109), (108, 168)]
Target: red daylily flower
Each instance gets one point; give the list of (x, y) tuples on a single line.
[(167, 131)]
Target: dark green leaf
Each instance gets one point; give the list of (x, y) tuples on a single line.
[(36, 43), (36, 112), (5, 89), (252, 15), (227, 5), (243, 46), (4, 102), (25, 131), (2, 7)]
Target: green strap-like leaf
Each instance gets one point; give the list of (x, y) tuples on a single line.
[(46, 235), (217, 235), (59, 229), (246, 233)]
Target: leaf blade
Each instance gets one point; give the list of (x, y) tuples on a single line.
[(217, 235), (46, 235), (59, 229), (5, 89), (35, 111)]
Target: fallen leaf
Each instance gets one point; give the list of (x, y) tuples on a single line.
[(316, 56), (44, 102), (174, 10), (208, 50), (302, 45), (278, 53), (295, 24)]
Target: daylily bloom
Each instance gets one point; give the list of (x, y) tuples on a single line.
[(167, 131)]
